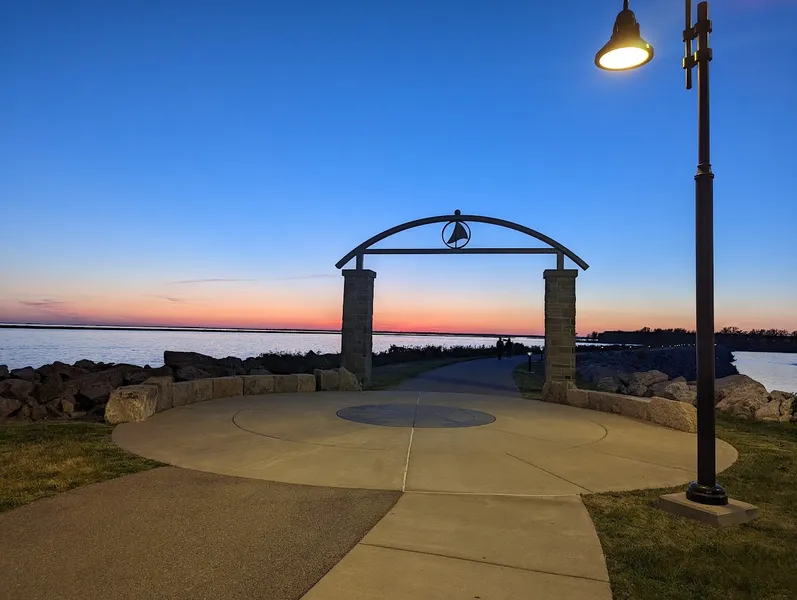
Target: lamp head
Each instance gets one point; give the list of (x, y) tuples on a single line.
[(626, 49)]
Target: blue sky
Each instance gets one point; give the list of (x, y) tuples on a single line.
[(149, 143)]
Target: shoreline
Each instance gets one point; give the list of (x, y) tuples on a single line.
[(254, 330)]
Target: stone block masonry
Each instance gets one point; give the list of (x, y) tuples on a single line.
[(139, 402), (188, 392), (560, 324), (227, 387), (669, 413), (358, 322)]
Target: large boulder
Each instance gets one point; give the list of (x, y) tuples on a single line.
[(16, 388), (93, 393), (176, 360), (638, 390), (348, 381), (674, 390), (26, 373), (647, 378), (4, 371), (593, 372), (66, 403), (779, 408), (38, 412), (190, 373), (736, 385), (137, 377), (327, 380), (769, 412), (608, 384), (50, 388), (54, 411), (88, 365), (218, 371), (259, 371), (60, 369), (131, 403), (233, 364), (676, 415), (740, 396), (8, 406), (165, 386), (113, 376)]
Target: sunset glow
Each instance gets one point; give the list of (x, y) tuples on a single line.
[(214, 180)]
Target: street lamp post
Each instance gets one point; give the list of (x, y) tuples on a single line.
[(627, 50)]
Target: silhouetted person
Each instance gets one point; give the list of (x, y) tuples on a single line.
[(508, 347), (500, 347)]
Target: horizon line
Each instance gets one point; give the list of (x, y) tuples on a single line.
[(254, 330)]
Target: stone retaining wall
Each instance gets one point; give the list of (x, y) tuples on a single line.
[(669, 413), (139, 402)]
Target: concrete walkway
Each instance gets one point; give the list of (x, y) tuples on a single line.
[(179, 534), (492, 511), (488, 376)]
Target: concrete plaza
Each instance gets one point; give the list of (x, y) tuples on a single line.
[(489, 511)]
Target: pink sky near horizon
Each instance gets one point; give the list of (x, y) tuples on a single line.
[(318, 306)]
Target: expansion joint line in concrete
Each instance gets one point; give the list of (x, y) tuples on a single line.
[(481, 562), (409, 446), (550, 473)]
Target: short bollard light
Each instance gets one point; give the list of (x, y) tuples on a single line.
[(530, 353)]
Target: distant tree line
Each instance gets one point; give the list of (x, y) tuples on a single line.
[(734, 338)]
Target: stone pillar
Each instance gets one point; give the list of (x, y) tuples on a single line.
[(358, 322), (560, 332)]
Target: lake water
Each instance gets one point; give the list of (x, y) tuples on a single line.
[(35, 347), (776, 370)]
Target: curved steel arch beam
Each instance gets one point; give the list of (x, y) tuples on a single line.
[(469, 218)]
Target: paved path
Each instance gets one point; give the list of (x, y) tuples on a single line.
[(490, 511), (179, 534), (488, 376)]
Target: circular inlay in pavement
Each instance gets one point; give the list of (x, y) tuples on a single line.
[(412, 415)]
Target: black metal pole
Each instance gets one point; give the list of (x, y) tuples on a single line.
[(705, 490)]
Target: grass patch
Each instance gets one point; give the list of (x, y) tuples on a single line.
[(42, 459), (530, 382), (653, 555), (386, 376)]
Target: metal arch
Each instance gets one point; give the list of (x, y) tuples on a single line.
[(358, 251)]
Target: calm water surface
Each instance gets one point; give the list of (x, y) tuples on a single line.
[(35, 347), (776, 370)]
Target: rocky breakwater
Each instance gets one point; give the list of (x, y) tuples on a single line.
[(674, 362), (188, 366), (737, 395), (62, 391), (139, 402), (82, 390), (742, 396), (657, 385)]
